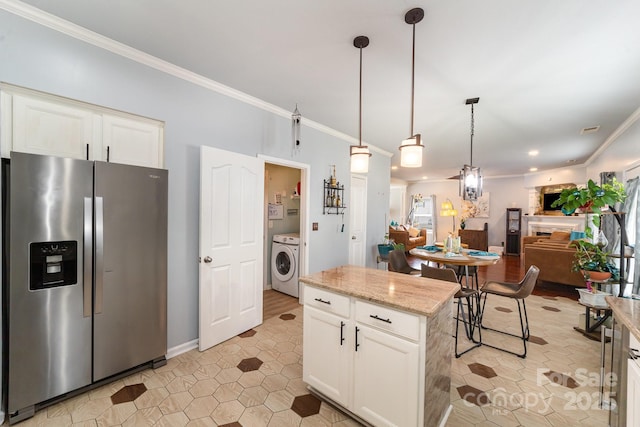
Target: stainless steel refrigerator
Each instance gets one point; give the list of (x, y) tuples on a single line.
[(85, 265)]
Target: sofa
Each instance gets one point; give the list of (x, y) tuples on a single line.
[(553, 255), (409, 237)]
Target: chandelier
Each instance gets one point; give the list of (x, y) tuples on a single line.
[(470, 176)]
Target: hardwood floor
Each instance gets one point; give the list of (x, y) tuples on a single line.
[(275, 303), (511, 269)]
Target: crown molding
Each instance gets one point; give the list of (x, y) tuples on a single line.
[(614, 136), (70, 29)]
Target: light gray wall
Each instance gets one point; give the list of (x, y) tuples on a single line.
[(40, 58)]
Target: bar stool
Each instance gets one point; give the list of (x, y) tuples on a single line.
[(398, 263), (471, 320), (518, 291)]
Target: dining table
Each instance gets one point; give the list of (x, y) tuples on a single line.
[(465, 258)]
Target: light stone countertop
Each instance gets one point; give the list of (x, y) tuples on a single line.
[(627, 312), (401, 291)]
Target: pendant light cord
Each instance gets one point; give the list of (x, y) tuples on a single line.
[(360, 104), (413, 67), (471, 159)]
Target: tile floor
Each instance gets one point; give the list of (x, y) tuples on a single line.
[(255, 380)]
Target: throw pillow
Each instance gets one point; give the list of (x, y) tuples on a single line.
[(414, 232)]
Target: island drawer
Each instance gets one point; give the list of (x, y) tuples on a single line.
[(327, 301), (388, 319)]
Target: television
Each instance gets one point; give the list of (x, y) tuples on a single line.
[(548, 199)]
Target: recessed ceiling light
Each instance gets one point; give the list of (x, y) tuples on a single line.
[(533, 169), (590, 129), (394, 168), (533, 152), (571, 161), (425, 177)]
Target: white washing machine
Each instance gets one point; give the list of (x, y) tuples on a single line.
[(284, 263)]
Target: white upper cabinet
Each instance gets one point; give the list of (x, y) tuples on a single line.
[(33, 122), (133, 142), (43, 127)]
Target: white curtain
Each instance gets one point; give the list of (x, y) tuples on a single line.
[(631, 205)]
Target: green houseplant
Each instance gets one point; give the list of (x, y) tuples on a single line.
[(590, 199), (591, 259)]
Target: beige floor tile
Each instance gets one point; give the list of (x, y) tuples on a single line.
[(151, 398), (253, 396), (258, 416), (117, 414), (227, 412), (173, 420), (144, 417), (206, 388), (201, 407), (176, 402), (279, 400)]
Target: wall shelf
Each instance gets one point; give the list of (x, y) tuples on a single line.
[(333, 198)]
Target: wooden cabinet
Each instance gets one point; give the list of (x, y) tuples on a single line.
[(38, 123), (367, 358), (476, 239)]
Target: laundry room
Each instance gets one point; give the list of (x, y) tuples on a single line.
[(282, 187)]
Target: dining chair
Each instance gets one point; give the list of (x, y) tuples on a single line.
[(471, 319), (517, 291), (398, 263)]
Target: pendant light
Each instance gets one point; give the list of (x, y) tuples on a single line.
[(470, 176), (411, 148), (360, 153)]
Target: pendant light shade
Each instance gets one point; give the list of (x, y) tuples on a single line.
[(411, 148), (360, 153), (470, 176), (411, 152)]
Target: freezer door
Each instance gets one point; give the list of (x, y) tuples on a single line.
[(130, 313), (49, 342)]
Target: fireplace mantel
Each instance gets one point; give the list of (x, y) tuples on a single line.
[(549, 223)]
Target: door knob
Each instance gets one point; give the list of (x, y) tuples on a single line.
[(208, 259), (353, 237)]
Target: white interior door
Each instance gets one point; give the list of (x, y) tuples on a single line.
[(231, 250), (357, 220)]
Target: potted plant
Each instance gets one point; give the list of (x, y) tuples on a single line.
[(590, 199), (593, 262)]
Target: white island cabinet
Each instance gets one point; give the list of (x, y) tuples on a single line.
[(379, 344)]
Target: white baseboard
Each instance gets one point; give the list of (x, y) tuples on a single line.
[(182, 348)]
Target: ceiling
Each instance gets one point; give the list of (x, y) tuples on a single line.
[(543, 69)]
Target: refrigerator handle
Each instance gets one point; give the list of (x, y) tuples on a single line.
[(99, 255), (88, 257)]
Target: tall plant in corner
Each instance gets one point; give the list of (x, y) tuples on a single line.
[(590, 199)]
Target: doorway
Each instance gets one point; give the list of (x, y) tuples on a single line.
[(285, 221)]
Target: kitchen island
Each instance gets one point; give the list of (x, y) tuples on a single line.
[(378, 344), (625, 362)]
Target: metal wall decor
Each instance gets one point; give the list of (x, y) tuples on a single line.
[(296, 118)]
